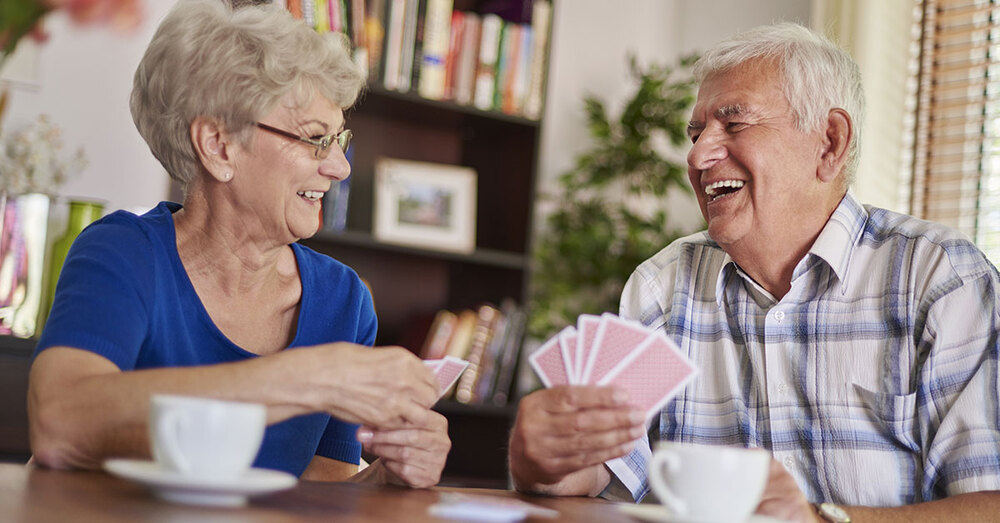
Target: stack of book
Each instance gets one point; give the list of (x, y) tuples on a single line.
[(489, 338), (441, 53)]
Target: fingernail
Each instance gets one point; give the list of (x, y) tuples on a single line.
[(365, 435), (620, 396)]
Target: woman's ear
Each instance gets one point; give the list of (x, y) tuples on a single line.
[(836, 142), (210, 143)]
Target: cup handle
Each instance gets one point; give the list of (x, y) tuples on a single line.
[(168, 427), (666, 462)]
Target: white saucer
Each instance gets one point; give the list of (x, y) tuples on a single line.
[(660, 514), (180, 488)]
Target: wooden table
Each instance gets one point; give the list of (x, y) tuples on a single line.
[(30, 494)]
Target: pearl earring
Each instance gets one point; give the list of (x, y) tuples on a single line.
[(227, 176)]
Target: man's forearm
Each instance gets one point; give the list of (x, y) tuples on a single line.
[(590, 481), (975, 506)]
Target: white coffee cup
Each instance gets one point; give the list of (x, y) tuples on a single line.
[(708, 483), (204, 437)]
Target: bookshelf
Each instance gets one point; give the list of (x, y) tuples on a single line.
[(411, 284), (15, 361)]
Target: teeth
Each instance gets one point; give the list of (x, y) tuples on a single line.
[(311, 195), (711, 189)]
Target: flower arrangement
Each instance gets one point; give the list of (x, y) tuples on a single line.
[(21, 17), (30, 160)]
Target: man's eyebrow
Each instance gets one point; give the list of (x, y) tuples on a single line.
[(726, 112)]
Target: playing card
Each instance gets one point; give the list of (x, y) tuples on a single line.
[(547, 362), (586, 328), (616, 338), (447, 372), (567, 346), (652, 373)]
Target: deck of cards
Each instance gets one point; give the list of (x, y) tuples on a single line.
[(447, 372), (610, 351)]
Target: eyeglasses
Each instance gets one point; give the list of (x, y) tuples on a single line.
[(321, 143)]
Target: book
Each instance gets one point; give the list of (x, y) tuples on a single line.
[(486, 317), (489, 44), (375, 37), (309, 12), (335, 203), (514, 86), (541, 16), (321, 15), (418, 44), (393, 47), (437, 30), (435, 345), (488, 366), (454, 48), (468, 58), (408, 45), (510, 356), (295, 7), (356, 18), (458, 344), (510, 38)]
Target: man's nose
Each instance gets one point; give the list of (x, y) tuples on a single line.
[(707, 150)]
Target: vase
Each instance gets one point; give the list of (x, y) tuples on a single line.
[(81, 214), (23, 223)]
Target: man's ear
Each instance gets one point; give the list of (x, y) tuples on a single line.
[(210, 143), (837, 138)]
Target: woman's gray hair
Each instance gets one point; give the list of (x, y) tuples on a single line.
[(208, 59), (818, 75)]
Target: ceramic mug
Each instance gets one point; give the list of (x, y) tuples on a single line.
[(204, 437), (708, 483)]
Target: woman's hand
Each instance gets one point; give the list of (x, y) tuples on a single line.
[(412, 456), (385, 388)]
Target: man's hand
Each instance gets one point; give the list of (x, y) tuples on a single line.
[(782, 498), (413, 456), (563, 435)]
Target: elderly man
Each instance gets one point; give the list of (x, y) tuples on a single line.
[(858, 345)]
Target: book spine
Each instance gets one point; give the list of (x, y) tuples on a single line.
[(489, 45), (418, 44), (321, 12), (488, 366), (375, 36), (541, 16), (437, 29), (510, 356), (295, 8), (436, 344), (454, 48), (394, 44), (309, 12), (408, 45), (468, 59), (485, 318)]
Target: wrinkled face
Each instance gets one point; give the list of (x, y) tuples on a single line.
[(753, 171), (281, 181)]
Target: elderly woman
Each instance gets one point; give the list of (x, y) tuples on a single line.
[(245, 108)]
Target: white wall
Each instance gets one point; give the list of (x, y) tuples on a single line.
[(83, 84)]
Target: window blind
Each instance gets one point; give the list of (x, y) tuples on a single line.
[(956, 162)]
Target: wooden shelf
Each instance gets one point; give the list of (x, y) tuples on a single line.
[(378, 92), (486, 257)]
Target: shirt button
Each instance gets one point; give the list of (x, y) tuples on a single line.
[(779, 315), (788, 462), (782, 388)]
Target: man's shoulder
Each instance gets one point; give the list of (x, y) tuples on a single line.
[(693, 249), (925, 241)]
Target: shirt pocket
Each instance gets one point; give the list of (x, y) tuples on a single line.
[(892, 415)]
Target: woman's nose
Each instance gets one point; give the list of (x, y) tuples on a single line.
[(335, 165)]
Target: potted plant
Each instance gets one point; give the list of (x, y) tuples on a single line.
[(610, 211)]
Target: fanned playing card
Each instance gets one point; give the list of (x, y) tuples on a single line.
[(615, 339), (652, 373), (548, 364), (447, 372), (610, 351)]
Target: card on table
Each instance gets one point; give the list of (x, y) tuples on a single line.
[(447, 372)]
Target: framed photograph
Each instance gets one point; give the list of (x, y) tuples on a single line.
[(426, 205)]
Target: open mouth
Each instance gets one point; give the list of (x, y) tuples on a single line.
[(312, 196), (723, 188)]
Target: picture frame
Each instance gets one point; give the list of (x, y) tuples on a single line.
[(426, 205)]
